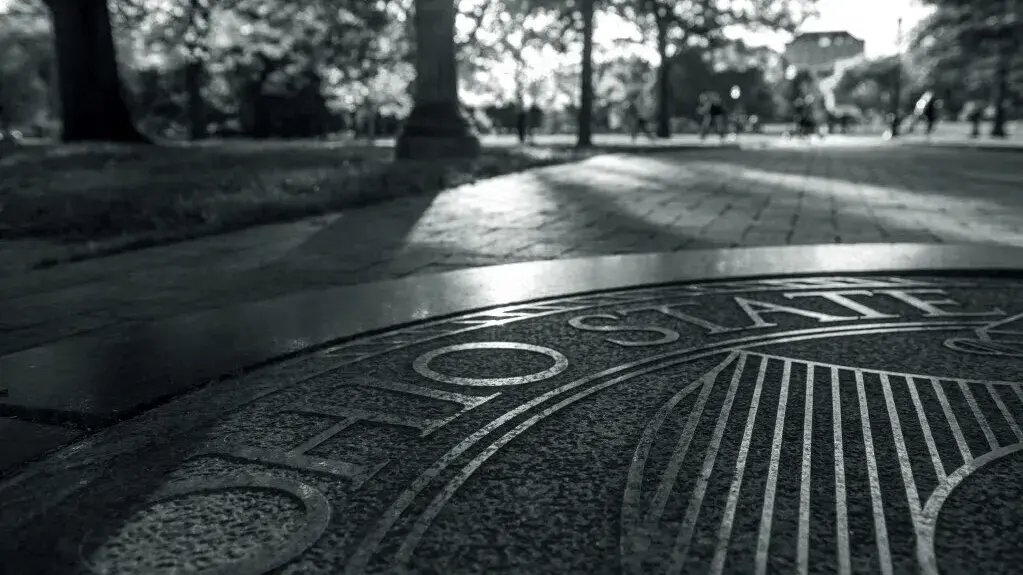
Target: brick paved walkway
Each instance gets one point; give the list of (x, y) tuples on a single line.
[(845, 190)]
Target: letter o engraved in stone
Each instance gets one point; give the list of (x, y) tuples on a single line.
[(246, 525), (422, 364)]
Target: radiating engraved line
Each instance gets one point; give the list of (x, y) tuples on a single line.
[(1018, 389), (362, 554), (767, 516), (992, 441), (680, 551), (668, 479), (419, 528), (905, 466), (717, 564), (939, 467), (841, 513), (634, 482), (880, 527), (803, 541), (880, 371), (1005, 412), (953, 423)]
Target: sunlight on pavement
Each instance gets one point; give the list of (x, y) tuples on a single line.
[(620, 203), (967, 219)]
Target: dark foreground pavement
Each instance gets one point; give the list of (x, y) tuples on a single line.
[(785, 413)]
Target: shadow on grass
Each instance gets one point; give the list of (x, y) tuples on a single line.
[(103, 200)]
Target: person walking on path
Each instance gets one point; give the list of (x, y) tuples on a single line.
[(638, 121), (521, 123), (535, 120), (712, 111), (973, 111), (926, 110)]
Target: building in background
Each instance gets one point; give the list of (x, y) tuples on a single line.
[(819, 52), (825, 55)]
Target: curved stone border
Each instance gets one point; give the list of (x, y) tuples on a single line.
[(172, 356), (344, 313)]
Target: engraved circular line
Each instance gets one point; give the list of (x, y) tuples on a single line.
[(646, 294), (422, 364), (925, 555), (259, 392), (419, 527), (361, 556), (64, 455), (316, 519)]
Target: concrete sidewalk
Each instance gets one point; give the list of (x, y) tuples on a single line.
[(608, 205)]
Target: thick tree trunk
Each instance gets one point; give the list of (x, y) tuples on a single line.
[(92, 101), (585, 133), (436, 127), (663, 82)]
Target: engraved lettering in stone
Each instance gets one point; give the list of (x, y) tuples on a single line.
[(930, 307), (422, 364), (426, 425), (755, 310), (842, 298), (1001, 338), (129, 549), (357, 474), (666, 335), (668, 310)]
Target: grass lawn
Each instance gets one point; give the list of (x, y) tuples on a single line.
[(106, 199)]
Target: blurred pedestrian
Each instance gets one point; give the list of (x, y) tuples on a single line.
[(926, 111), (521, 123), (712, 110), (974, 113), (638, 120), (805, 116), (535, 120)]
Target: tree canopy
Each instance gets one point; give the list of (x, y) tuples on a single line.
[(262, 67)]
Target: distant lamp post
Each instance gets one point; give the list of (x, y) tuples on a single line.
[(897, 92), (740, 123)]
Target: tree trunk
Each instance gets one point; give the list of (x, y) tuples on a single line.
[(436, 127), (92, 100), (196, 106), (1001, 92), (195, 70), (585, 135), (663, 82)]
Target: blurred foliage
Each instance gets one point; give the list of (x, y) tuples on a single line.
[(870, 85), (967, 52), (268, 68), (26, 61)]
